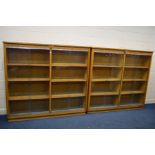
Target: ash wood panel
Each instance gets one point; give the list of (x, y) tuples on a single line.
[(69, 65), (50, 82), (13, 118), (6, 79), (103, 109), (111, 79), (21, 64), (34, 97), (87, 75), (97, 50), (142, 53), (132, 92), (70, 48), (26, 45), (68, 80), (122, 76), (104, 93), (140, 67), (90, 78), (134, 80), (107, 66), (67, 95), (28, 79)]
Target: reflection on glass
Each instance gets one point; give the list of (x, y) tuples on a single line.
[(132, 99), (67, 103), (104, 101)]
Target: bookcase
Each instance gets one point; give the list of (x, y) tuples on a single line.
[(69, 79), (118, 79), (135, 78), (44, 80)]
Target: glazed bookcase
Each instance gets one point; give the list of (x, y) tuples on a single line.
[(45, 80), (118, 79)]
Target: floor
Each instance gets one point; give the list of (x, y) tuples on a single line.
[(131, 119)]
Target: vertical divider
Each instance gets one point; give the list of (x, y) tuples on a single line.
[(50, 81), (122, 76), (90, 76), (147, 78), (87, 79), (6, 78)]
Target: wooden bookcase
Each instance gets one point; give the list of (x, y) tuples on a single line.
[(135, 78), (118, 79), (44, 81), (52, 80), (69, 79)]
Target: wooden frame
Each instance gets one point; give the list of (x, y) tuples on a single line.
[(46, 92)]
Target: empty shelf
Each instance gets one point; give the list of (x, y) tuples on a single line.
[(67, 95), (131, 104), (68, 80), (132, 92), (14, 98), (22, 64), (134, 80), (98, 80), (69, 65), (28, 79), (107, 66), (30, 113), (104, 93), (140, 67)]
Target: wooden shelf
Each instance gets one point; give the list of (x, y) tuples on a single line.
[(29, 113), (37, 97), (131, 104), (132, 92), (103, 107), (108, 66), (134, 80), (22, 64), (100, 80), (140, 67), (104, 93), (67, 95), (68, 65), (68, 80), (28, 79), (68, 111)]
